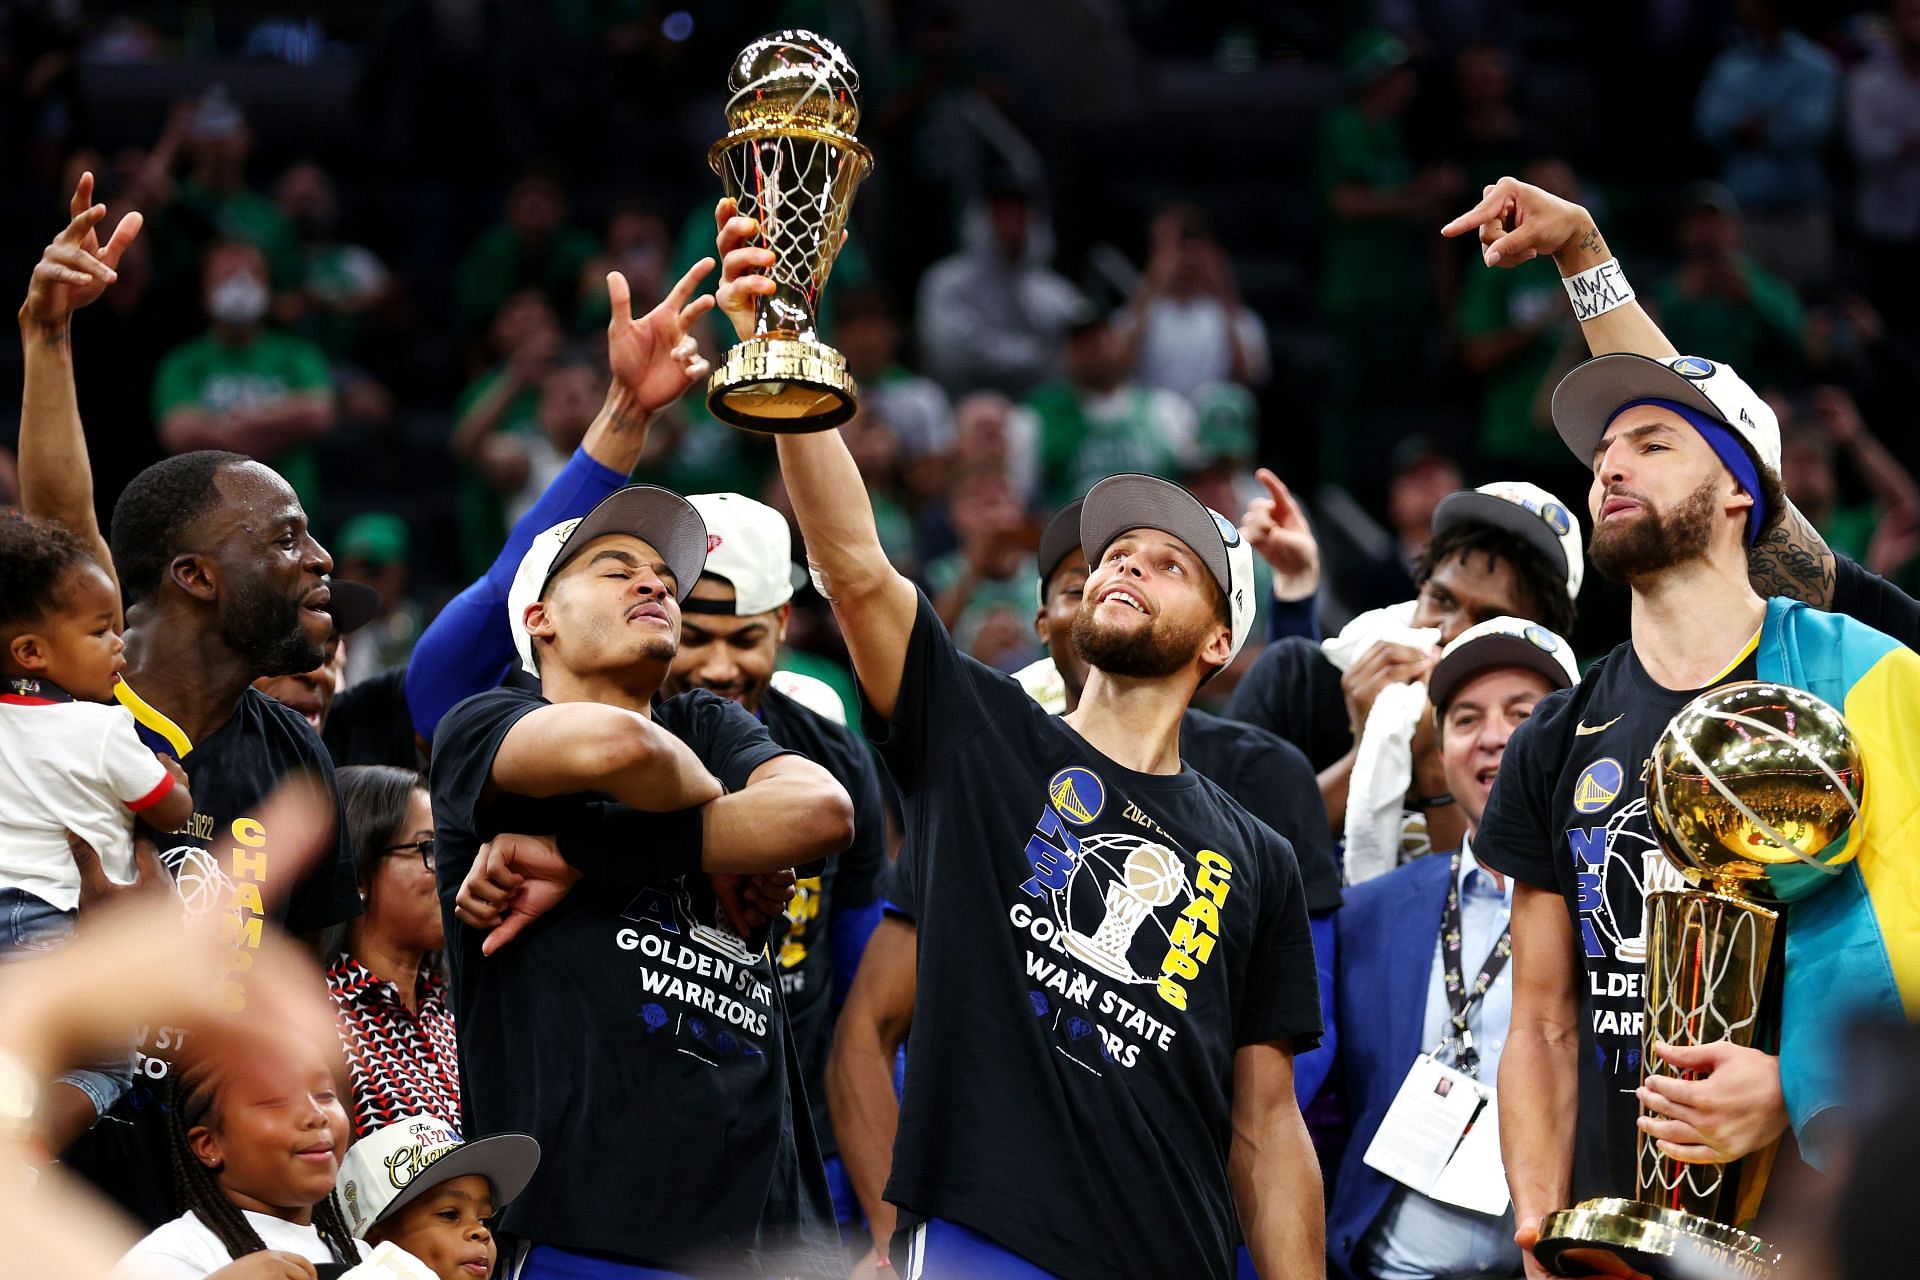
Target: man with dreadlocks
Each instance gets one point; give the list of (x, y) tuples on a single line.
[(256, 1145)]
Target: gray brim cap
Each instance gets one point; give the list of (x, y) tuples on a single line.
[(1496, 643), (1136, 501), (1588, 398), (1060, 539)]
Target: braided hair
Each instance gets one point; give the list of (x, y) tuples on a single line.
[(192, 1101)]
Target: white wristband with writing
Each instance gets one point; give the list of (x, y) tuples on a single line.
[(1598, 290)]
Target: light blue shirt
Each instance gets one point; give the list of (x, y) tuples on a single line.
[(1793, 88), (1416, 1238)]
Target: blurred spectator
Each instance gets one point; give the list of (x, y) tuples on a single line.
[(1512, 327), (1720, 300), (1491, 139), (1187, 328), (1882, 533), (983, 592), (639, 246), (396, 1022), (337, 284), (532, 248), (495, 415), (1098, 421), (1768, 105), (213, 134), (373, 548), (989, 432), (41, 104), (1422, 474), (1380, 211), (867, 332), (570, 395), (1883, 129), (995, 314), (243, 386)]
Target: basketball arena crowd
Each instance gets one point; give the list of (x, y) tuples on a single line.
[(1162, 790)]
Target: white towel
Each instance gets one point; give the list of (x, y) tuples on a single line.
[(1383, 768), (390, 1262)]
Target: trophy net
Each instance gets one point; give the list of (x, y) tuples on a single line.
[(799, 187), (1706, 964)]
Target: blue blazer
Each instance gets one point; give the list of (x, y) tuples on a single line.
[(1385, 935)]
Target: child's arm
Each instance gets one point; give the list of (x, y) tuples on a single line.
[(171, 811)]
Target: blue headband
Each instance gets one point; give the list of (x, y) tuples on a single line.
[(1725, 445)]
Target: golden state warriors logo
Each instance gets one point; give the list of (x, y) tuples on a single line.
[(1692, 367), (1077, 794), (1598, 785), (1557, 518)]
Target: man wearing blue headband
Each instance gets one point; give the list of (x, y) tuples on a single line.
[(1688, 511)]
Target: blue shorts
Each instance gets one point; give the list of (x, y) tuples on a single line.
[(942, 1250), (545, 1262), (31, 926)]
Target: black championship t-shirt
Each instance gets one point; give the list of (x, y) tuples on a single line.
[(223, 859), (843, 884), (1095, 944), (1292, 690), (1869, 598), (1569, 814), (631, 1031), (1272, 780)]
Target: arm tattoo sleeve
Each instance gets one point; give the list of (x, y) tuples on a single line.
[(1792, 559)]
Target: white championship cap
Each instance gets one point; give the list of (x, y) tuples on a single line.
[(659, 517), (1587, 398), (1500, 642), (397, 1164), (1135, 501), (750, 545), (1528, 512)]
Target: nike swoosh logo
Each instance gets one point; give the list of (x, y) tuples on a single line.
[(1585, 729)]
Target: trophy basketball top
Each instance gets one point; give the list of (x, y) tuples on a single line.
[(1752, 787), (794, 79)]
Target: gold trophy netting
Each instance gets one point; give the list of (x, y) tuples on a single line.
[(799, 189), (1687, 1004)]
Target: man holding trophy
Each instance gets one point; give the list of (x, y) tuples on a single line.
[(1115, 969), (1680, 1094)]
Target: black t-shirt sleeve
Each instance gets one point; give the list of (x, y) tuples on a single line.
[(1870, 598), (1293, 691), (1280, 999), (464, 746), (726, 737), (329, 894), (1277, 785), (940, 704), (1515, 836)]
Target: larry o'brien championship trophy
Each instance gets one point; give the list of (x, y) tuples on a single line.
[(1750, 787), (790, 160)]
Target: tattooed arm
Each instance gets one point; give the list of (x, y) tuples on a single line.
[(1791, 559)]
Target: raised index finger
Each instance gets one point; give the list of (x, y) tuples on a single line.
[(1491, 206), (82, 194)]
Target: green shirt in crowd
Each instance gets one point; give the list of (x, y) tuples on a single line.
[(209, 375), (1368, 266), (1494, 301), (1760, 337)]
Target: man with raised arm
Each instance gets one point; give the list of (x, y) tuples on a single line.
[(636, 1025), (1115, 971), (1686, 485)]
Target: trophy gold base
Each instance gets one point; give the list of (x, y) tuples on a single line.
[(1663, 1243), (781, 386)]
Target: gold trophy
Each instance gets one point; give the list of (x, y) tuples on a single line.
[(790, 160), (1751, 787)]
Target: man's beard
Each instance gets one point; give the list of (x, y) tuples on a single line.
[(1152, 652), (1657, 540), (265, 629)]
